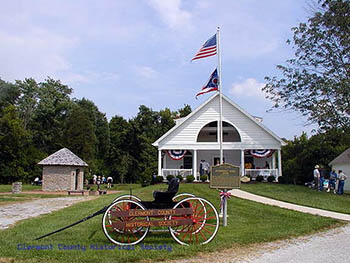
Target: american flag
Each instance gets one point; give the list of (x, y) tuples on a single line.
[(208, 49), (211, 85)]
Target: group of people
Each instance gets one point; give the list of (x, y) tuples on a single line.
[(336, 181), (98, 180)]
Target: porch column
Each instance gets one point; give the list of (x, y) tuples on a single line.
[(279, 163), (242, 163), (273, 161), (160, 162), (194, 164)]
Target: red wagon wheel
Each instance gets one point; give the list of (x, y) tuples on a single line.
[(205, 222), (127, 197), (115, 228), (181, 196)]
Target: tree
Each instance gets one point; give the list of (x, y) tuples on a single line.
[(28, 100), (47, 123), (119, 159), (301, 154), (100, 123), (316, 82), (80, 135), (9, 93), (13, 146), (185, 111)]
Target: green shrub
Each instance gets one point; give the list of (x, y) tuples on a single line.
[(169, 177), (204, 178), (146, 182), (260, 178), (271, 179), (146, 177), (282, 180), (159, 179), (180, 177), (190, 178)]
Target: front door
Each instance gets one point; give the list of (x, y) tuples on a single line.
[(77, 172)]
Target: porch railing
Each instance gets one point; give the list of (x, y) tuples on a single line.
[(253, 173), (175, 172)]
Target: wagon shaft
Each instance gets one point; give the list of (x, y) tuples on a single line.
[(151, 212), (166, 223)]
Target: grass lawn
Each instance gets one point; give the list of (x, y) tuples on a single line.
[(119, 187), (7, 198), (301, 195), (25, 187), (249, 223)]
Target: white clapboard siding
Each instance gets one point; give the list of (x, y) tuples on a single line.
[(253, 134)]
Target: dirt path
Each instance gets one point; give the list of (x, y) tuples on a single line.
[(11, 213)]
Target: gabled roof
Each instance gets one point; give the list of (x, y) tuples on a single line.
[(63, 157), (178, 124), (342, 158)]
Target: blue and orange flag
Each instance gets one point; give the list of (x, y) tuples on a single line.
[(211, 85)]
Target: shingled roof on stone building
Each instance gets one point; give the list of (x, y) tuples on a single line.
[(63, 157)]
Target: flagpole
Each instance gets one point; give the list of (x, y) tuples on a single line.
[(220, 131)]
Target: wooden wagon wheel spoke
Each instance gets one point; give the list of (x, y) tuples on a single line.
[(115, 228), (205, 222)]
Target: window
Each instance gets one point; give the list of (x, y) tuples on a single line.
[(209, 133)]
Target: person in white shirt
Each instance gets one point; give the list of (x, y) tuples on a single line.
[(109, 182), (317, 176), (341, 177)]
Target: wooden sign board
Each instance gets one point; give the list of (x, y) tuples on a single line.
[(225, 176)]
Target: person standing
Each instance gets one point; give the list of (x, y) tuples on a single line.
[(201, 168), (321, 181), (317, 176), (341, 177), (98, 182), (332, 181), (109, 182)]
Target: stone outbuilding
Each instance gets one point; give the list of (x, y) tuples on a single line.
[(63, 171), (342, 162)]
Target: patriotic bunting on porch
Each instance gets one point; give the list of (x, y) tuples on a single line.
[(176, 154), (261, 153)]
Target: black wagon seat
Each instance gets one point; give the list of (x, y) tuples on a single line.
[(163, 200)]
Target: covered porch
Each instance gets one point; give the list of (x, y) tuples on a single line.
[(189, 164)]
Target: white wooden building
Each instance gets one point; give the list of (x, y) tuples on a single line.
[(342, 162), (197, 134)]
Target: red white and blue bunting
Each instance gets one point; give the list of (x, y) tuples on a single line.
[(176, 154), (261, 153)]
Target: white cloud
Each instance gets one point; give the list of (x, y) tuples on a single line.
[(171, 12), (248, 88), (36, 53), (89, 77), (146, 72)]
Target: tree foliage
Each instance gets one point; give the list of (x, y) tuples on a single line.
[(316, 81), (302, 154)]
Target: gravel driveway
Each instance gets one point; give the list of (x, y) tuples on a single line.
[(326, 247), (11, 213)]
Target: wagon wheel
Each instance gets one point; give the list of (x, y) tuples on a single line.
[(124, 235), (126, 197), (181, 196), (205, 222)]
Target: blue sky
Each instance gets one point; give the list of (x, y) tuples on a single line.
[(121, 54)]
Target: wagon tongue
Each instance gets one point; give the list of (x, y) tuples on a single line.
[(76, 223)]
